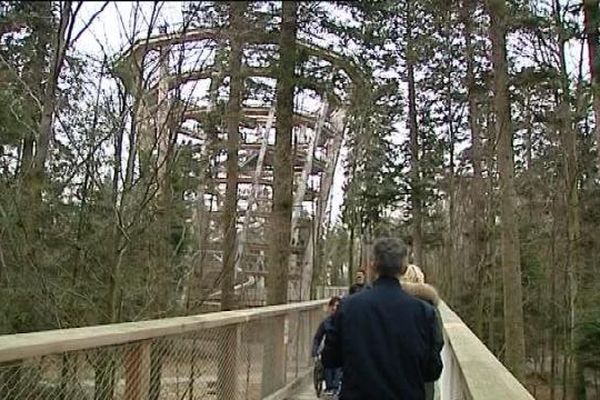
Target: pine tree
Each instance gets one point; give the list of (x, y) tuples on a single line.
[(283, 179), (591, 12), (513, 306), (233, 138)]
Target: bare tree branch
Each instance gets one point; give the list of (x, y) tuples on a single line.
[(89, 22)]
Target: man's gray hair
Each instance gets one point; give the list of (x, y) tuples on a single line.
[(389, 256)]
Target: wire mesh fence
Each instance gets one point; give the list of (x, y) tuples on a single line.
[(326, 292), (219, 360)]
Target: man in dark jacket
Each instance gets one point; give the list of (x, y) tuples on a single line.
[(386, 340), (359, 282), (322, 347)]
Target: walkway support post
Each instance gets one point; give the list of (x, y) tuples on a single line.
[(137, 371), (228, 362), (275, 350)]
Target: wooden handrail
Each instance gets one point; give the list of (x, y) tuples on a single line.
[(483, 375), (36, 344)]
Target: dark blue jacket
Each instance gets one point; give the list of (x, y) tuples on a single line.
[(388, 343), (324, 331), (355, 288)]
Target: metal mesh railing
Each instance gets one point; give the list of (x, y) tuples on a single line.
[(326, 292), (233, 355)]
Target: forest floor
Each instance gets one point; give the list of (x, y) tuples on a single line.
[(542, 391)]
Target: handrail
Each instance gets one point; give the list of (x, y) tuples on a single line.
[(36, 344), (483, 376), (470, 372)]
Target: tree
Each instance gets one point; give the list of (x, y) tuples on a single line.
[(591, 13), (281, 217), (374, 182), (283, 200), (477, 257), (227, 383), (416, 201), (511, 267), (233, 137), (571, 177)]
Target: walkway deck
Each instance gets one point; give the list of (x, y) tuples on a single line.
[(305, 392)]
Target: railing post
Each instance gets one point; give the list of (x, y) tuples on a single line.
[(314, 319), (307, 335), (230, 337), (306, 342), (105, 370), (299, 341), (274, 355), (137, 371)]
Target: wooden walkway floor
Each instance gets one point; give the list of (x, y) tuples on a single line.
[(305, 392)]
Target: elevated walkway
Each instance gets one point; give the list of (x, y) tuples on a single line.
[(246, 354)]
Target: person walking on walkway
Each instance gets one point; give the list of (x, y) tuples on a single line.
[(413, 282), (386, 341), (321, 346), (413, 274), (359, 282)]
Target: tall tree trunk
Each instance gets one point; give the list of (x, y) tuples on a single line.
[(490, 217), (49, 101), (416, 201), (26, 159), (452, 194), (351, 269), (591, 14), (280, 227), (115, 269), (511, 267), (207, 185), (568, 137), (35, 75), (477, 256), (553, 315), (37, 79), (283, 178), (233, 140), (226, 379)]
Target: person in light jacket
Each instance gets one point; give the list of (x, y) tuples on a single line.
[(413, 282)]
